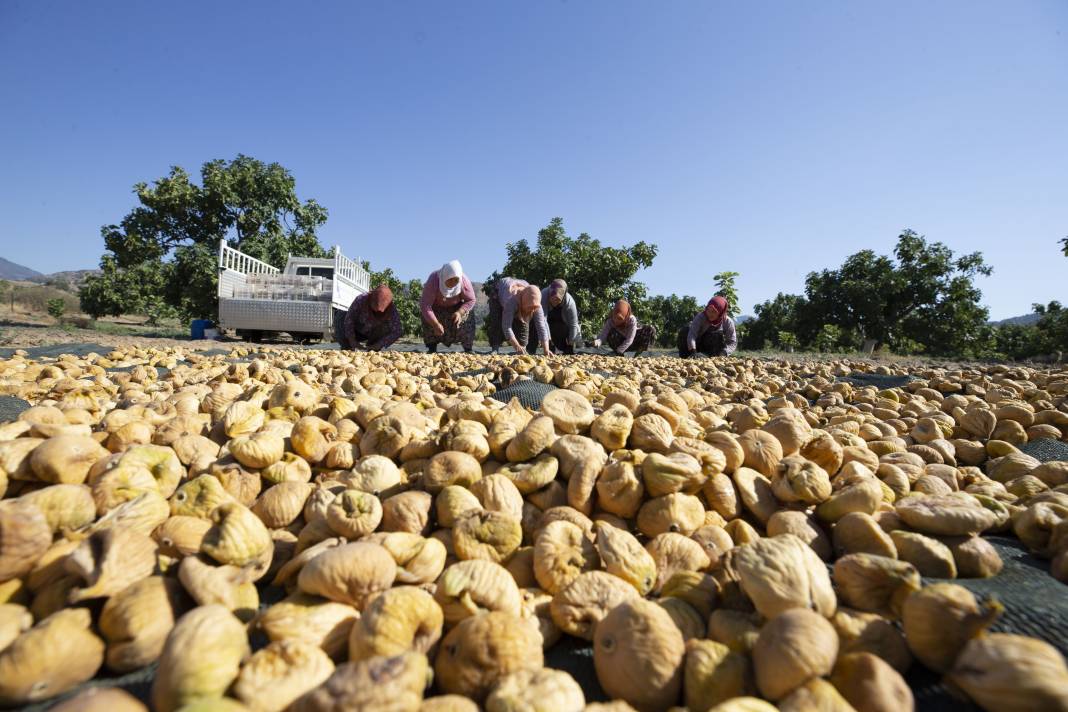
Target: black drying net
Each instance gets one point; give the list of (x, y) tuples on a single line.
[(530, 393), (11, 407)]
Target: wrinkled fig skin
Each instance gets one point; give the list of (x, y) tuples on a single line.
[(56, 655), (484, 648), (940, 619), (382, 528), (394, 683)]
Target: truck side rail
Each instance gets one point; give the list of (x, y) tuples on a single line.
[(238, 261), (351, 271)]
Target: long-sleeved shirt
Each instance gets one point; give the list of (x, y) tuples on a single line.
[(628, 331), (510, 305), (701, 324), (432, 297), (570, 314), (384, 328)]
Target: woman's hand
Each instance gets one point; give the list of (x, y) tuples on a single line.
[(457, 317), (439, 329), (596, 343)]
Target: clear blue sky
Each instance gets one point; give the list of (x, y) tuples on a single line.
[(770, 138)]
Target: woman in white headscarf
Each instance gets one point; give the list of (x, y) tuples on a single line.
[(446, 306)]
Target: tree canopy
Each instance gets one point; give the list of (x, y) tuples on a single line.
[(162, 255), (923, 297)]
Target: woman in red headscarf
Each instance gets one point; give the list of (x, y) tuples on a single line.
[(622, 333), (371, 318), (710, 333)]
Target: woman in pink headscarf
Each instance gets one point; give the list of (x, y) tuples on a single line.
[(622, 332), (515, 305), (711, 332)]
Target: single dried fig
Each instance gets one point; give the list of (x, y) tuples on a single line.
[(280, 673), (940, 619), (1008, 672), (136, 621), (401, 619), (638, 653), (56, 655), (351, 573), (483, 649), (794, 647)]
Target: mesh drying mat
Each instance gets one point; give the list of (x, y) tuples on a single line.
[(11, 407), (529, 393), (1046, 449)]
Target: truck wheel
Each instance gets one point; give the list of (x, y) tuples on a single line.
[(339, 327)]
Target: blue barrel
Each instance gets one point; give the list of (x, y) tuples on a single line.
[(197, 326)]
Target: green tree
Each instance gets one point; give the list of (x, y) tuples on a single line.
[(725, 287), (670, 314), (596, 275), (829, 338), (787, 340), (1052, 328), (172, 236), (773, 316), (56, 307), (924, 293), (405, 296), (1064, 246)]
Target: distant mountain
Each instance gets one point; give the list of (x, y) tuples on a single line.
[(1024, 320), (69, 280), (743, 318), (10, 270)]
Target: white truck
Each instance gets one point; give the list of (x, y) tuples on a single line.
[(307, 300)]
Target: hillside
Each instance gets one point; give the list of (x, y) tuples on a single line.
[(11, 270), (69, 280), (1023, 320)]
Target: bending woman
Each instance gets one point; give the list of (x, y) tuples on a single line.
[(446, 305), (710, 333), (372, 318), (565, 332), (513, 306), (622, 332)]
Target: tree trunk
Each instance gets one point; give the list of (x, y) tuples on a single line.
[(868, 347)]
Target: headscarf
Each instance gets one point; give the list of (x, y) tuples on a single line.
[(447, 272), (720, 303), (557, 289), (529, 300), (621, 311), (380, 298)]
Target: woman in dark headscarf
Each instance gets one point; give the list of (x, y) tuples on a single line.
[(622, 333), (710, 333), (562, 314), (372, 318)]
